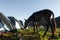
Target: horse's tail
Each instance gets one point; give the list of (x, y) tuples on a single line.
[(54, 22)]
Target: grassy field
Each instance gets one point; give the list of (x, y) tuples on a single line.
[(28, 34)]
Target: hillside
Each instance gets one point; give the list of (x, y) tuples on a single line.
[(58, 21)]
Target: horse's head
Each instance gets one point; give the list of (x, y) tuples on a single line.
[(25, 23)]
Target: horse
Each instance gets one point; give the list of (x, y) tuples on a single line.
[(44, 14)]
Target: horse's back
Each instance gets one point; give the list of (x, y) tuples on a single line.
[(42, 14)]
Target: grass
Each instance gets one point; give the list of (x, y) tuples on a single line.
[(41, 32), (28, 34)]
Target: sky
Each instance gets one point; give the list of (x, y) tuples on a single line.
[(22, 9)]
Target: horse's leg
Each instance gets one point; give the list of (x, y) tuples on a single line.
[(34, 27), (54, 25), (47, 21), (52, 29), (47, 25)]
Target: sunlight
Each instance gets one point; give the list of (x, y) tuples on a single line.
[(1, 29), (17, 25)]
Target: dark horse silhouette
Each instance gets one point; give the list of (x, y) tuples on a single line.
[(42, 15)]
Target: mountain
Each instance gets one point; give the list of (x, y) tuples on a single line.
[(58, 21)]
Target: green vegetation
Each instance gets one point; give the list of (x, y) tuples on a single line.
[(28, 34)]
